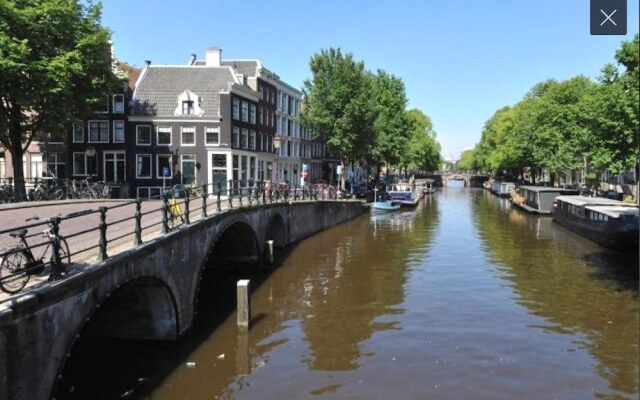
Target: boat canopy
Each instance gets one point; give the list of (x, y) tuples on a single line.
[(594, 201)]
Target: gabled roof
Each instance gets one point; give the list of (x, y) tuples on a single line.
[(244, 67), (157, 91)]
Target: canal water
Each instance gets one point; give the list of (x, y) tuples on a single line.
[(461, 298)]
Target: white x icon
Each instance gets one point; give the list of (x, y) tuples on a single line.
[(608, 17)]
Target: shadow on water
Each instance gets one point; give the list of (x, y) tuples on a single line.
[(579, 287), (105, 368)]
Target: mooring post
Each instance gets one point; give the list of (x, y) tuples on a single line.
[(244, 306), (270, 251)]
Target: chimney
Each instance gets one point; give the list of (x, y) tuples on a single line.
[(214, 56)]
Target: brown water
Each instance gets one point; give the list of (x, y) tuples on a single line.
[(462, 298)]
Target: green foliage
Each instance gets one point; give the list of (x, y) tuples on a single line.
[(55, 62), (557, 123), (466, 161), (423, 150), (338, 104), (364, 114)]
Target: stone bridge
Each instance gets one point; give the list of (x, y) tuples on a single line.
[(146, 292), (470, 180)]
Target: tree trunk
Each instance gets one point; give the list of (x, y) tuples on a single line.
[(18, 172)]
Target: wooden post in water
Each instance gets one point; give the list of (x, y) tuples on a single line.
[(270, 251), (244, 305)]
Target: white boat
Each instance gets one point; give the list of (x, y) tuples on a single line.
[(404, 193)]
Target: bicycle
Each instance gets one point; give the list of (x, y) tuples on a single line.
[(19, 263), (175, 210)]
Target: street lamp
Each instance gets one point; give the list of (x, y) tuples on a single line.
[(277, 143)]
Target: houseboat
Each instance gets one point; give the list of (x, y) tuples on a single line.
[(428, 187), (404, 193), (502, 189), (539, 199), (611, 223)]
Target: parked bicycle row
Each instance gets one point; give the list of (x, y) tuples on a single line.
[(58, 189)]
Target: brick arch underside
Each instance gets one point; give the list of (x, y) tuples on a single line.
[(142, 309), (237, 245)]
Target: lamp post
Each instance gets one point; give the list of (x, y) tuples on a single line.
[(277, 143)]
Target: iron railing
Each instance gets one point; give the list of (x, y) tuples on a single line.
[(94, 233)]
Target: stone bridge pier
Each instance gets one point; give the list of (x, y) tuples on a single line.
[(145, 293)]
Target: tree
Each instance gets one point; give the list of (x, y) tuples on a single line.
[(338, 103), (391, 125), (614, 135), (423, 150), (55, 62), (466, 161)]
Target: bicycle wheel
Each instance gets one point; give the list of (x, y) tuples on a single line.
[(10, 281)]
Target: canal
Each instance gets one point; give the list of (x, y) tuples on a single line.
[(461, 298)]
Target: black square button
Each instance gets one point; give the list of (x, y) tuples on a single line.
[(608, 17)]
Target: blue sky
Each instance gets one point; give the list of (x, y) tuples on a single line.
[(460, 60)]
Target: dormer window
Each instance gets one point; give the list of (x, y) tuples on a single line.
[(189, 104), (187, 107)]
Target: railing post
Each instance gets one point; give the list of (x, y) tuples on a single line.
[(54, 223), (240, 184), (204, 200), (230, 194), (295, 192), (264, 193), (165, 213), (187, 199), (218, 201), (103, 234), (138, 230)]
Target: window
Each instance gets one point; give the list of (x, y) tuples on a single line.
[(245, 112), (143, 135), (236, 137), (252, 140), (236, 109), (244, 138), (188, 136), (143, 166), (78, 132), (252, 113), (260, 116), (187, 107), (118, 103), (163, 136), (36, 165), (56, 165), (118, 131), (84, 164), (163, 161), (98, 131), (212, 136)]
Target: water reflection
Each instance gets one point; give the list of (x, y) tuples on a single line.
[(460, 298), (578, 287)]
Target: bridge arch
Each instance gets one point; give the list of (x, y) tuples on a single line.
[(141, 309), (457, 177), (237, 243)]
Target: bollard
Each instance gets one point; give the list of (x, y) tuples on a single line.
[(244, 306), (102, 244), (270, 251)]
